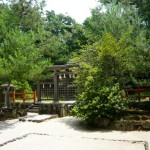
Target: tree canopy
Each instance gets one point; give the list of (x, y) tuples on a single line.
[(143, 9), (63, 36), (31, 41), (20, 56), (116, 56), (112, 44)]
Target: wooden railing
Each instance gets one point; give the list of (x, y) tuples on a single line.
[(138, 92), (23, 96)]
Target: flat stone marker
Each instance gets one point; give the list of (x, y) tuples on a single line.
[(34, 117)]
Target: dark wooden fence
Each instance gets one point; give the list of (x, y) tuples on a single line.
[(139, 93)]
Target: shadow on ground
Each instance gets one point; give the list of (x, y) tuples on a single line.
[(79, 125), (4, 125)]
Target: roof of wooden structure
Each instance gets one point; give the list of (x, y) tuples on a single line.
[(60, 67)]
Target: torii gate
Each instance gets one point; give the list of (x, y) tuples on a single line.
[(59, 87)]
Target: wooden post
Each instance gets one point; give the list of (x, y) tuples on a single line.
[(5, 104), (23, 94), (139, 94), (7, 96), (55, 86), (14, 96), (38, 92), (34, 97)]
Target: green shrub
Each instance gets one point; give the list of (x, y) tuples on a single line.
[(21, 86), (104, 67), (106, 102)]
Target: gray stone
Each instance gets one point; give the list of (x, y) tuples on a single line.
[(21, 112), (14, 113), (126, 125), (136, 123), (101, 122), (119, 126), (144, 117), (130, 128), (146, 124)]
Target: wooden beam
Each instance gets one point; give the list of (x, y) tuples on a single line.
[(60, 67)]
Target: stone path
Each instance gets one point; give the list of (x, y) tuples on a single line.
[(67, 133)]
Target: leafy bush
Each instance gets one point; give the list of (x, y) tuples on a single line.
[(104, 68), (21, 86), (106, 102)]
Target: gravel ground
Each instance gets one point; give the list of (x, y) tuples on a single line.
[(67, 133)]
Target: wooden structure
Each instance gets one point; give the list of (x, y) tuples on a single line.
[(138, 93), (60, 86), (24, 96)]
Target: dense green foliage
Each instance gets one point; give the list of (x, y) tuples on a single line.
[(143, 9), (63, 36), (106, 102), (116, 56), (112, 48), (118, 19), (104, 68), (20, 56), (30, 41)]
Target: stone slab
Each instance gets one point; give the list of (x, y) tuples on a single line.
[(33, 141), (34, 117)]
